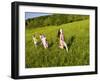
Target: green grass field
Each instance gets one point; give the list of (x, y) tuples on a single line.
[(76, 36)]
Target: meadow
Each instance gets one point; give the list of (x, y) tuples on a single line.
[(76, 36)]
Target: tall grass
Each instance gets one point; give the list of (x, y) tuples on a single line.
[(76, 36)]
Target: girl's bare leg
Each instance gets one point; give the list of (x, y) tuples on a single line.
[(66, 46)]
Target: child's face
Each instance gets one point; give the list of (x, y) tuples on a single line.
[(61, 30), (40, 35)]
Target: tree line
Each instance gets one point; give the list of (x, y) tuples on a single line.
[(53, 20)]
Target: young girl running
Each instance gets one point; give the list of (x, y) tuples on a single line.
[(35, 40), (44, 41), (62, 43)]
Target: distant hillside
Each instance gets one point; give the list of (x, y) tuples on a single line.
[(55, 20)]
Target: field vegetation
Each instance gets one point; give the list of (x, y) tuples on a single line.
[(76, 33)]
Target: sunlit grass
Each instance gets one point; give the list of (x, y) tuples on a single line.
[(76, 36)]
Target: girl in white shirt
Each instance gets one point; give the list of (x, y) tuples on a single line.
[(35, 40)]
